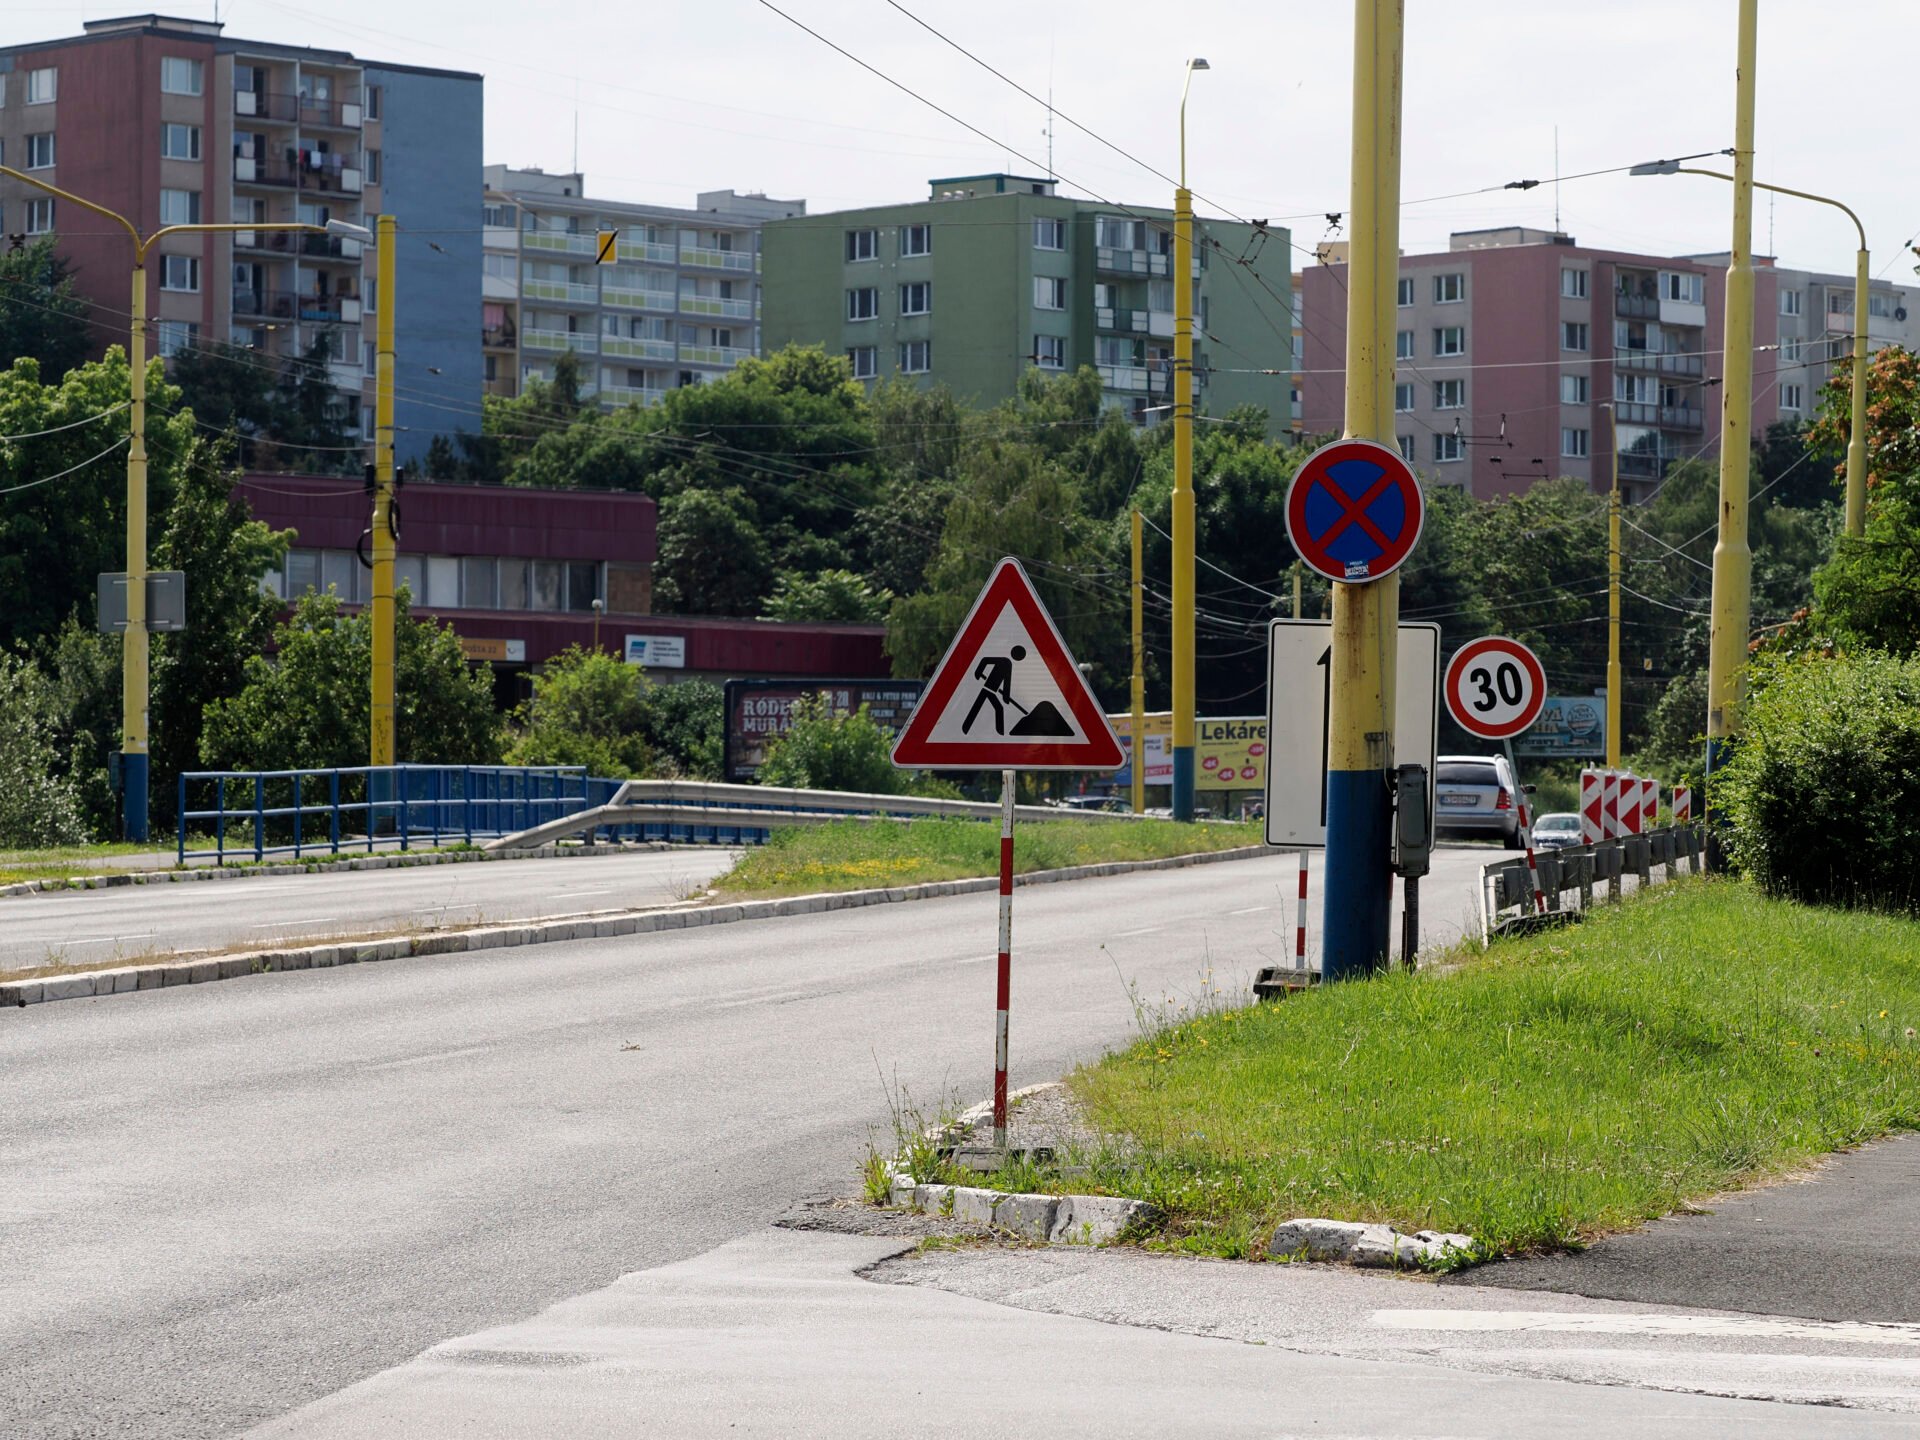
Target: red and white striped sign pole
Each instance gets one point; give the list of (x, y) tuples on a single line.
[(1005, 984), (1300, 920)]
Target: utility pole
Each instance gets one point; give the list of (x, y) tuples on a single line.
[(1139, 696), (381, 750), (1366, 617), (1732, 559), (1182, 402), (1614, 682)]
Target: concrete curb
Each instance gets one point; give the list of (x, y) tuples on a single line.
[(399, 860), (602, 925)]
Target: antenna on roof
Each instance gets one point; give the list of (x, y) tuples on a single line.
[(1556, 179)]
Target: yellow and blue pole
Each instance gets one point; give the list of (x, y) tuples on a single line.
[(381, 742), (1138, 743), (1732, 559), (1183, 519), (134, 640), (1359, 880)]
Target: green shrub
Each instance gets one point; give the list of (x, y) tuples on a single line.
[(1823, 791), (825, 751), (586, 710), (36, 807)]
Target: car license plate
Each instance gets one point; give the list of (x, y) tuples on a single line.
[(1455, 797)]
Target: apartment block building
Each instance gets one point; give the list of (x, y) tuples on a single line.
[(678, 303), (172, 121), (994, 275), (1518, 349)]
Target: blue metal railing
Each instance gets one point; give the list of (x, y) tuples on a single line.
[(299, 812)]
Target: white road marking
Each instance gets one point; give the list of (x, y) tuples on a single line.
[(1148, 931), (102, 939), (1250, 910), (1718, 1327), (308, 920), (575, 894)]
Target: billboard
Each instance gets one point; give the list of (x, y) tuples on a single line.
[(1568, 725), (759, 711), (1230, 753)]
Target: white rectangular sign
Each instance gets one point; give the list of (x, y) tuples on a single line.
[(1299, 687), (658, 652)]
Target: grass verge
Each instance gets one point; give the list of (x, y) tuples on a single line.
[(862, 855), (1693, 1040)]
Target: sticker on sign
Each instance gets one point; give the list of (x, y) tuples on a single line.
[(1495, 687)]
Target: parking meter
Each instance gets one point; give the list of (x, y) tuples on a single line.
[(1412, 821)]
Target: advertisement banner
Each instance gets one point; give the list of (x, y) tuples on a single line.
[(1568, 725), (1230, 753), (759, 711)]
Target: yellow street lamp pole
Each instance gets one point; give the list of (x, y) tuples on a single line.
[(380, 742), (1139, 695), (1183, 522), (134, 642), (1857, 435), (1615, 684)]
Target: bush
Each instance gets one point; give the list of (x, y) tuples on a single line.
[(1823, 791), (825, 751), (36, 808), (586, 710)]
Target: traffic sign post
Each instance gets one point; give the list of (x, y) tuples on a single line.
[(1007, 696), (1354, 511), (1495, 689)]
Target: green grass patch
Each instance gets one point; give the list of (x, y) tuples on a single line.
[(864, 855), (1693, 1040)]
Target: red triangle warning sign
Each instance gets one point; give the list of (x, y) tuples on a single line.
[(1007, 695)]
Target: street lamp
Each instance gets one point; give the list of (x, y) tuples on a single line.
[(1856, 440), (134, 649), (1181, 401)]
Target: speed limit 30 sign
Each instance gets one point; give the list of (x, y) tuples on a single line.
[(1495, 687)]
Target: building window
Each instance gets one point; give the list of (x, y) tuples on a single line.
[(1403, 397), (916, 357), (1049, 233), (40, 151), (372, 172), (1403, 345), (1050, 352), (1449, 394), (1406, 447), (1790, 397), (865, 361), (373, 102), (498, 217), (1449, 289), (42, 86), (180, 272), (1636, 389), (1573, 388), (173, 336), (40, 215), (1791, 346), (1446, 447), (863, 304), (1049, 292), (862, 245), (1573, 442), (1405, 296), (179, 75), (179, 207), (1573, 335), (180, 142), (1681, 286), (1450, 340), (917, 298), (916, 240), (1573, 284), (1789, 302), (1881, 306)]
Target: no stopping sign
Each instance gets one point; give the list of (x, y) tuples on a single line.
[(1495, 687)]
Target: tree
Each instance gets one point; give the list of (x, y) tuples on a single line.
[(80, 670), (713, 555), (309, 707), (308, 413), (586, 710), (825, 751), (229, 388), (42, 316), (832, 595), (38, 806), (683, 724)]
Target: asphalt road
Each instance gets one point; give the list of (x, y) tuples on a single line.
[(89, 925), (232, 1199)]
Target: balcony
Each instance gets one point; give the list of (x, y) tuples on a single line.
[(714, 354), (618, 395), (329, 114), (581, 342), (1132, 262), (1655, 360), (717, 259), (1680, 417), (639, 299), (1636, 307), (714, 305), (1126, 378), (558, 242), (286, 305), (1636, 465), (329, 309), (270, 304), (627, 348), (271, 242), (249, 171), (499, 337), (1122, 321), (563, 291), (336, 175), (646, 252), (267, 105), (328, 247)]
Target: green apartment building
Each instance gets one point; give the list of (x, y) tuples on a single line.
[(996, 274)]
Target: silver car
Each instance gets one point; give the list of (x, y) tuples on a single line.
[(1475, 795), (1556, 831)]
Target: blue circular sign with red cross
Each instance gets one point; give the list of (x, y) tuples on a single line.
[(1354, 511)]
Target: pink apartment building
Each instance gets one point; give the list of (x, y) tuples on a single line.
[(1514, 345)]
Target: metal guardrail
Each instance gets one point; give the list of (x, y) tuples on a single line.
[(701, 812), (325, 811), (1505, 885)]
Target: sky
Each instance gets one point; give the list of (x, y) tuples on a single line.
[(673, 98)]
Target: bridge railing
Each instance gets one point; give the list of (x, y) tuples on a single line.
[(254, 814), (1506, 887)]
